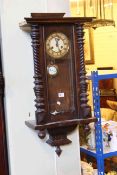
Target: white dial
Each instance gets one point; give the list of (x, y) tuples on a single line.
[(57, 45), (52, 70)]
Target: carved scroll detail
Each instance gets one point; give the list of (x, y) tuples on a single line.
[(85, 109), (39, 82)]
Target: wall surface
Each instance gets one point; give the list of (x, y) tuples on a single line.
[(28, 155)]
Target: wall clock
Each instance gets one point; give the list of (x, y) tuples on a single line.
[(60, 77)]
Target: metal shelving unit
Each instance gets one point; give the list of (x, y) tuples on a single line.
[(99, 153)]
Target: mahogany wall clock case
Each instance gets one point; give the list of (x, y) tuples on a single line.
[(59, 75)]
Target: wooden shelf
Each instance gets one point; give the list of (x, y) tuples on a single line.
[(32, 123)]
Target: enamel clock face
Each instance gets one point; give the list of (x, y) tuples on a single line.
[(57, 45)]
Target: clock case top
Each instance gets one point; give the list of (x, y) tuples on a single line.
[(55, 18), (42, 25)]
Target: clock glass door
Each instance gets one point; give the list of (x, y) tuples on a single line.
[(60, 68)]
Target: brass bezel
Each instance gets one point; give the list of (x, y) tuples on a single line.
[(59, 35)]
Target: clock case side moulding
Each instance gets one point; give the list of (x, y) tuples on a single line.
[(58, 129)]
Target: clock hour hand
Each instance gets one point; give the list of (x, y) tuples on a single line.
[(57, 43), (57, 40)]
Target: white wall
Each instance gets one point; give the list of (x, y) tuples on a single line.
[(28, 155), (58, 6)]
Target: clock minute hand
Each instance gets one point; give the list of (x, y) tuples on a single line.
[(57, 40), (57, 44)]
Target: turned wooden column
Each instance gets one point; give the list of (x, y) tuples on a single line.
[(39, 88), (38, 77), (85, 109)]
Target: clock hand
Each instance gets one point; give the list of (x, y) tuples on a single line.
[(57, 40), (57, 43)]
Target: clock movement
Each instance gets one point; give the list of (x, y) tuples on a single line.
[(59, 76)]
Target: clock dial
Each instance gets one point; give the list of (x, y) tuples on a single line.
[(57, 45), (52, 70)]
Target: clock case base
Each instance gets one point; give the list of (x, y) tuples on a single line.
[(58, 131)]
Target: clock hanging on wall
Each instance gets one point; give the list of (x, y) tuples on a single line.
[(59, 74)]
